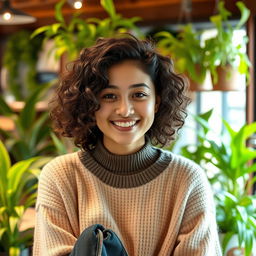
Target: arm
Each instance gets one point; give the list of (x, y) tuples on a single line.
[(198, 234), (53, 235), (56, 227)]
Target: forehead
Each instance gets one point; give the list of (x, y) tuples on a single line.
[(127, 73)]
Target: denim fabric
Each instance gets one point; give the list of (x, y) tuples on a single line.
[(90, 244)]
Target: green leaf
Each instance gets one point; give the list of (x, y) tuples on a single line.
[(40, 30), (19, 210), (249, 240), (109, 7), (27, 115), (55, 27), (4, 108), (4, 169), (14, 251), (17, 171), (225, 240), (13, 222), (61, 148), (242, 212), (37, 130), (2, 231), (245, 13), (58, 11)]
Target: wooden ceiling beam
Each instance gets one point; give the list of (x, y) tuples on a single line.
[(152, 12)]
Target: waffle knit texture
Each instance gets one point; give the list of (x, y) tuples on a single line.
[(158, 203)]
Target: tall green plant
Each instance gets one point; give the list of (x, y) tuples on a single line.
[(15, 197), (236, 211), (20, 58), (80, 33), (31, 134)]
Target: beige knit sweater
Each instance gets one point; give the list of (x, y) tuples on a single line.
[(158, 203)]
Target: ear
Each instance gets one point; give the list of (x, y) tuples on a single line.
[(158, 101)]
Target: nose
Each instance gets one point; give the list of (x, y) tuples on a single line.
[(124, 108)]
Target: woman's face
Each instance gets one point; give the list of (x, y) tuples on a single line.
[(127, 108)]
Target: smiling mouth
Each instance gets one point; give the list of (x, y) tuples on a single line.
[(124, 124)]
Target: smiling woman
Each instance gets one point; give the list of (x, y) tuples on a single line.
[(118, 100), (127, 108)]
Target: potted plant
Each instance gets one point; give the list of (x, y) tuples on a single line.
[(17, 194), (31, 135), (225, 59), (188, 53), (227, 159), (70, 38), (19, 61)]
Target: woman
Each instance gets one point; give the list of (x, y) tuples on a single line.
[(119, 99)]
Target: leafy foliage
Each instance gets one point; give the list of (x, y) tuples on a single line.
[(15, 197), (31, 136), (72, 37), (236, 207), (186, 50), (220, 50), (194, 57), (20, 59)]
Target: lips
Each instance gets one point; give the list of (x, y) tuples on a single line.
[(124, 124)]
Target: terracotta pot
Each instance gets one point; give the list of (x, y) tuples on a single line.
[(229, 79), (233, 249), (206, 85), (195, 86)]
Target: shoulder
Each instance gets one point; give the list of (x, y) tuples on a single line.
[(184, 168), (61, 166)]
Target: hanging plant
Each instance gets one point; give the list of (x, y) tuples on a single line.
[(221, 50), (72, 37), (20, 59)]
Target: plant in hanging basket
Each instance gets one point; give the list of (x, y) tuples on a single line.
[(188, 54), (222, 55)]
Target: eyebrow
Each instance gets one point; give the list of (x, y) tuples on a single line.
[(130, 87)]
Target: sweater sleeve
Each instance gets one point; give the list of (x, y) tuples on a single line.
[(54, 233), (198, 235)]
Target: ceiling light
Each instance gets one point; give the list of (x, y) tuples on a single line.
[(77, 4), (11, 16)]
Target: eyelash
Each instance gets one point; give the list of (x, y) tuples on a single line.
[(112, 97), (140, 95), (109, 96)]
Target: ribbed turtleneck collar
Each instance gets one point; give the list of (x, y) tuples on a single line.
[(125, 164), (125, 171)]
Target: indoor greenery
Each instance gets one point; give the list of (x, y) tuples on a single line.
[(194, 57), (186, 50), (220, 49), (72, 37), (20, 59), (227, 159), (31, 135), (15, 197)]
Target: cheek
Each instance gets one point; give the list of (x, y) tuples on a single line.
[(102, 113), (148, 110)]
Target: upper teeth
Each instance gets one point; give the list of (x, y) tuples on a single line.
[(125, 124)]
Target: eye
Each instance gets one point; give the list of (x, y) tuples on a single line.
[(109, 97), (139, 95)]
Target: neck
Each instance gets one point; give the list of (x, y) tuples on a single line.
[(124, 149)]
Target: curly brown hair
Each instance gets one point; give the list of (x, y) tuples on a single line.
[(75, 101)]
